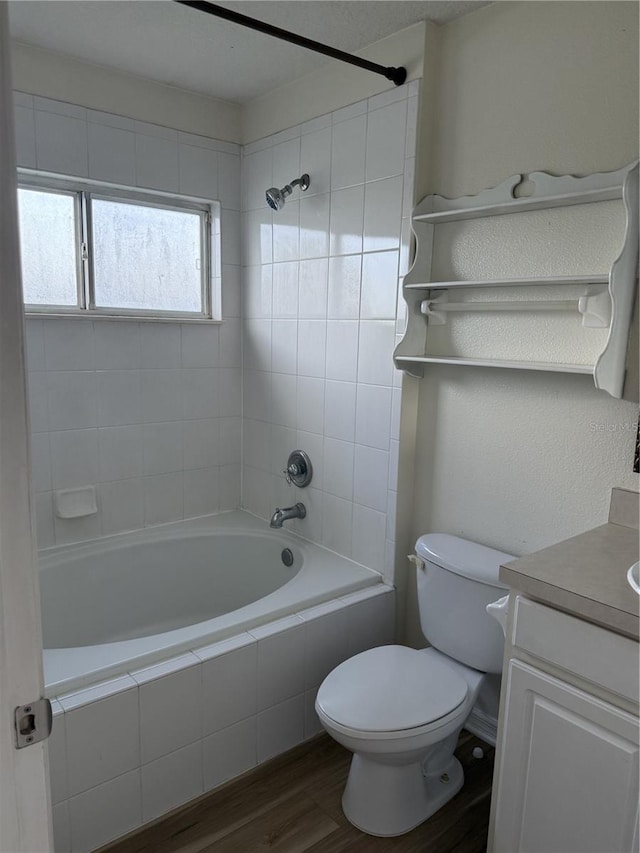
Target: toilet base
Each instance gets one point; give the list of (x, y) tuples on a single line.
[(386, 800)]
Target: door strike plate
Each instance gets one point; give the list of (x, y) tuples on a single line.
[(33, 722)]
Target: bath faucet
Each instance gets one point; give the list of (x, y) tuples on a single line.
[(282, 515)]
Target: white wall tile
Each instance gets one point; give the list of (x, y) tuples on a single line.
[(105, 812), (119, 397), (370, 623), (111, 120), (200, 345), (119, 452), (229, 441), (258, 236), (163, 498), (370, 477), (171, 780), (121, 505), (68, 345), (379, 286), (386, 141), (161, 392), (398, 93), (383, 213), (198, 170), (200, 443), (229, 684), (40, 462), (61, 108), (280, 669), (312, 289), (285, 290), (315, 159), (325, 646), (357, 109), (348, 143), (170, 713), (258, 177), (230, 236), (338, 466), (34, 344), (201, 493), (229, 391), (258, 289), (157, 162), (286, 161), (61, 828), (160, 345), (283, 399), (256, 342), (68, 530), (336, 524), (342, 350), (112, 154), (162, 447), (61, 144), (340, 410), (74, 457), (344, 287), (230, 752), (312, 343), (280, 728), (38, 408), (311, 404), (346, 221), (231, 291), (230, 343), (117, 345), (103, 740), (373, 416), (229, 180), (375, 352), (257, 395), (44, 520), (284, 346), (286, 232), (314, 226), (368, 546), (71, 400)]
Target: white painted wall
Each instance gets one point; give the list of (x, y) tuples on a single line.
[(53, 75), (521, 460), (334, 86)]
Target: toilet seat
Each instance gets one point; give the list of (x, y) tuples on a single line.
[(390, 692)]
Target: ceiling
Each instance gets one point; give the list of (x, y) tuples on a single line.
[(164, 41)]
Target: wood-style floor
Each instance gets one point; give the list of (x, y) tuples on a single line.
[(292, 805)]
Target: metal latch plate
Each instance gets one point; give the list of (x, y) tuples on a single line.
[(33, 722)]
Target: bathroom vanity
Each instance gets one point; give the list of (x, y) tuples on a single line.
[(566, 776)]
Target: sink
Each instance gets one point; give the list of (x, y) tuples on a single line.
[(633, 576)]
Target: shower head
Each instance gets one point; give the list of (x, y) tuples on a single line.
[(276, 198)]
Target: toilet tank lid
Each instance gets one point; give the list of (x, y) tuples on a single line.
[(465, 558)]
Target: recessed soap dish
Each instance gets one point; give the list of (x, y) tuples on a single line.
[(75, 503)]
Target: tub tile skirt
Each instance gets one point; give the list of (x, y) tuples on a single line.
[(132, 748)]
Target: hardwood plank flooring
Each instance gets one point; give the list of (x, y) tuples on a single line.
[(292, 804)]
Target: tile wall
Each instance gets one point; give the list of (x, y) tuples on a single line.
[(124, 752), (149, 413), (320, 320)]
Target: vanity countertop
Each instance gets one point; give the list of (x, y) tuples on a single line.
[(585, 576)]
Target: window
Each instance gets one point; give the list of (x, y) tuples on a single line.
[(87, 251)]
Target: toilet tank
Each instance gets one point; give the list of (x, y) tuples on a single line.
[(457, 582)]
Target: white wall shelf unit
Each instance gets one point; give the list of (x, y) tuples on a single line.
[(606, 302)]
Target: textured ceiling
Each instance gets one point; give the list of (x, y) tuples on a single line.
[(170, 43)]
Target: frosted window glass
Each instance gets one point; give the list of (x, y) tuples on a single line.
[(47, 246), (146, 258)]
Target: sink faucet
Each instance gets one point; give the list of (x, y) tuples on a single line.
[(282, 515)]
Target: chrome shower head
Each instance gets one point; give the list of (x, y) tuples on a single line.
[(276, 198)]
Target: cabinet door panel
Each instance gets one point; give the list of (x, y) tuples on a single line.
[(569, 770)]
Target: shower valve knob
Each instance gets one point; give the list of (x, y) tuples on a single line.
[(299, 470)]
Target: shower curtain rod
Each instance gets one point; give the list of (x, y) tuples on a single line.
[(396, 75)]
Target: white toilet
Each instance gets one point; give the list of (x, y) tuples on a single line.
[(400, 710)]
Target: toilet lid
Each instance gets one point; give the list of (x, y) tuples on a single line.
[(389, 689)]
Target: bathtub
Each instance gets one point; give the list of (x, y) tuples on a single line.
[(125, 601), (182, 656)]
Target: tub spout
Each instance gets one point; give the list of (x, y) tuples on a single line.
[(282, 515)]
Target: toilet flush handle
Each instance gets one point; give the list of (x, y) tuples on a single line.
[(417, 562), (498, 609)]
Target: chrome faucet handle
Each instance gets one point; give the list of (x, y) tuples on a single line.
[(299, 470), (291, 472)]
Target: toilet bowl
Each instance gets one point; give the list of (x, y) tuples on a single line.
[(400, 710)]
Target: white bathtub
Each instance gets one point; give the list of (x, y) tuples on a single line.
[(126, 601)]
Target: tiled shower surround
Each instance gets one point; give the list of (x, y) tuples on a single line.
[(320, 303)]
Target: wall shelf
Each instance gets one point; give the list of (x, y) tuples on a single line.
[(611, 294)]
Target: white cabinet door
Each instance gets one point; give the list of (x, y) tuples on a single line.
[(568, 776)]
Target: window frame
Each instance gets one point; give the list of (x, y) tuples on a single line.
[(84, 192)]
